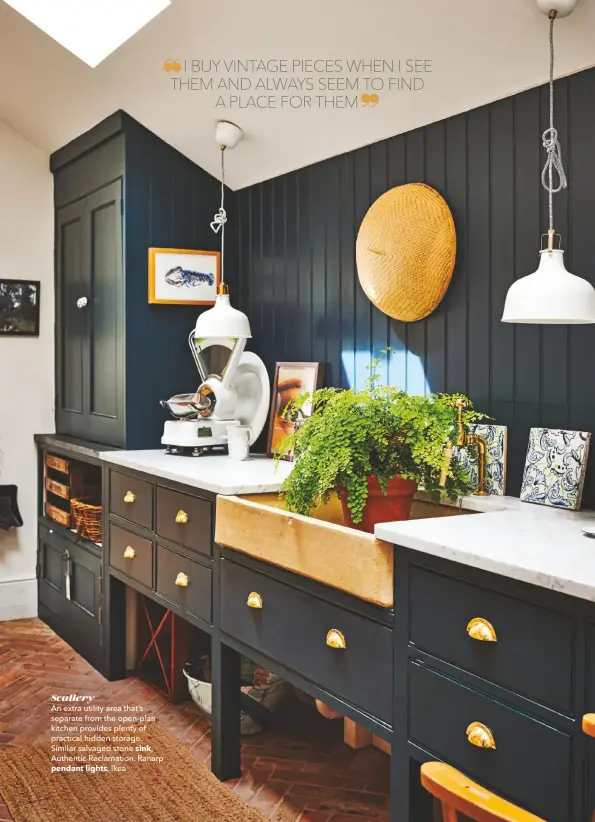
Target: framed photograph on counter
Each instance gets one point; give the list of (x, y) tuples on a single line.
[(181, 277), (291, 380), (19, 308)]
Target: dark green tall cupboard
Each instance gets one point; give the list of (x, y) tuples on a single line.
[(119, 190)]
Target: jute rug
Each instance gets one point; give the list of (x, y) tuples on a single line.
[(179, 789)]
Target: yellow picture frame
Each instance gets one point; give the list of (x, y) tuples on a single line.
[(180, 289)]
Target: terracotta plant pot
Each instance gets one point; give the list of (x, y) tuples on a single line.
[(396, 505)]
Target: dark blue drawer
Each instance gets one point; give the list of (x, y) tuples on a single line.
[(292, 627), (533, 652), (531, 764)]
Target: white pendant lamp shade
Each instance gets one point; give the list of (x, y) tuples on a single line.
[(551, 295), (222, 321)]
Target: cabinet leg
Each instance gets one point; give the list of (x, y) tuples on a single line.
[(114, 635), (225, 729)]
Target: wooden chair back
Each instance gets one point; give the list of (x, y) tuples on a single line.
[(589, 724), (459, 795)]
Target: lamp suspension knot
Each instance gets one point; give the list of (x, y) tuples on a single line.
[(551, 143), (219, 220), (553, 162)]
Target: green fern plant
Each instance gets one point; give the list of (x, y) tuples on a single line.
[(379, 430)]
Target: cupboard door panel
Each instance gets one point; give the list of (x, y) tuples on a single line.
[(72, 283), (106, 330), (73, 610), (90, 337)]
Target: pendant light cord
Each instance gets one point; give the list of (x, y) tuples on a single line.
[(551, 142), (220, 217)]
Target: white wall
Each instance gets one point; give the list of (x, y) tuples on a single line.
[(26, 363)]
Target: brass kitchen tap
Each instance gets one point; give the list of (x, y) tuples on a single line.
[(464, 439)]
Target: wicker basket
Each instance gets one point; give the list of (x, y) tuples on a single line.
[(88, 519)]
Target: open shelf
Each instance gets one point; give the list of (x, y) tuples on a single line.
[(72, 497)]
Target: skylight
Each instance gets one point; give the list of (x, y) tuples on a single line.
[(90, 29)]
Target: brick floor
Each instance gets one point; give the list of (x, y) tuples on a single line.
[(299, 772)]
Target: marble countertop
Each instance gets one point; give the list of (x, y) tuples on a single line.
[(84, 448), (219, 474), (532, 543)]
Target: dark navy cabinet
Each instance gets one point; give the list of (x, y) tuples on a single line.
[(119, 190), (528, 689)]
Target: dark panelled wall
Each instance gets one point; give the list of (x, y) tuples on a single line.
[(170, 203), (298, 280)]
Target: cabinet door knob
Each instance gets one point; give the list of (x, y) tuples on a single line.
[(182, 580), (181, 517), (82, 302), (129, 553), (254, 600), (480, 736), (482, 630), (335, 639), (128, 496)]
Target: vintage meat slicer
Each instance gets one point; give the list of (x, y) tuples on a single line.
[(238, 395)]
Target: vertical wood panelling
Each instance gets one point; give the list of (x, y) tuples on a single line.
[(302, 332), (334, 309), (416, 332), (487, 163), (318, 237), (456, 300), (478, 253), (378, 185), (347, 275), (501, 228), (363, 307), (527, 230), (397, 334), (436, 322), (291, 315)]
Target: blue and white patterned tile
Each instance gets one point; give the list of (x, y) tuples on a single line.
[(555, 467), (496, 441)]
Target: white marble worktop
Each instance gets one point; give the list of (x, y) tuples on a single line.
[(219, 474), (532, 543)]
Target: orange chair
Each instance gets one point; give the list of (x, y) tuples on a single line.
[(589, 724), (458, 794)]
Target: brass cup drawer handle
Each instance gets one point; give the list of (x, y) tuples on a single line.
[(181, 517), (254, 600), (480, 736), (129, 496), (129, 553), (482, 630), (335, 639), (182, 580)]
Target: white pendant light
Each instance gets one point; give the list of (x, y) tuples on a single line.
[(551, 295), (223, 320)]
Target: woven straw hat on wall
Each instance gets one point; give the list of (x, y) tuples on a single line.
[(405, 251)]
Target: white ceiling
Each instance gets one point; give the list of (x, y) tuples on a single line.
[(480, 51)]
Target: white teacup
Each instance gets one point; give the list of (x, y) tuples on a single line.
[(238, 442)]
